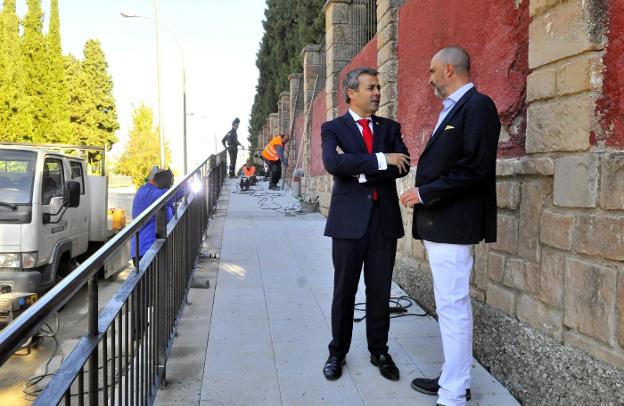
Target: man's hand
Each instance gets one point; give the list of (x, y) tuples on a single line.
[(410, 198), (399, 160)]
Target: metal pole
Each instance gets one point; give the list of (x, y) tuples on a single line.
[(93, 332), (161, 133), (184, 112), (162, 143)]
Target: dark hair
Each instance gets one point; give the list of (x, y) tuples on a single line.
[(352, 80), (164, 179), (236, 121)]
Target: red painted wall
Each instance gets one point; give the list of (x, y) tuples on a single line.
[(367, 57), (611, 106), (494, 33), (318, 117), (297, 157)]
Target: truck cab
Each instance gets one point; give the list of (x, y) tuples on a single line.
[(45, 215)]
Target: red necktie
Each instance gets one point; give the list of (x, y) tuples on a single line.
[(368, 140)]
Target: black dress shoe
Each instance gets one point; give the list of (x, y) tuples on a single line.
[(431, 386), (386, 366), (333, 367)]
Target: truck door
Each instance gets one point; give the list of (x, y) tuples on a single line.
[(78, 217), (52, 182)]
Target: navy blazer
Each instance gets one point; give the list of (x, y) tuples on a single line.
[(456, 175), (351, 201)]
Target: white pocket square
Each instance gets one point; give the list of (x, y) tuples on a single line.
[(449, 127)]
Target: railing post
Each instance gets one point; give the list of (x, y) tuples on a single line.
[(93, 332), (139, 325), (161, 223)]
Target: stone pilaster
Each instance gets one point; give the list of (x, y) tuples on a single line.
[(295, 107), (296, 94), (387, 58), (339, 48), (274, 125), (314, 72), (283, 113)]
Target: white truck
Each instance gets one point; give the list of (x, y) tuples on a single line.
[(50, 210)]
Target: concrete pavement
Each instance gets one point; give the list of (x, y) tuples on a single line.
[(259, 335)]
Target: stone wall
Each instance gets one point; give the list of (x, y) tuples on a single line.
[(549, 294), (499, 65)]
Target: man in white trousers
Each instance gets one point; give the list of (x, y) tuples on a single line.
[(454, 205)]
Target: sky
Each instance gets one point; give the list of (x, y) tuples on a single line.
[(219, 39)]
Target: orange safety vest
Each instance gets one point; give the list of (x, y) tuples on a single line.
[(249, 171), (270, 153)]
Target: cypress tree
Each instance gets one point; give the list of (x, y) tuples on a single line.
[(36, 66), (60, 130), (289, 25), (76, 96), (15, 121), (94, 115)]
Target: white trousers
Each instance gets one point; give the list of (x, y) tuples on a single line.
[(451, 265)]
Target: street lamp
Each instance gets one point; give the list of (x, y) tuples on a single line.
[(128, 14)]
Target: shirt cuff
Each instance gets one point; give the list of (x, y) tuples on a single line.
[(381, 161), (419, 198), (362, 178)]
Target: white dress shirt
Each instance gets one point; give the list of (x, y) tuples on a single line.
[(381, 158), (450, 102)]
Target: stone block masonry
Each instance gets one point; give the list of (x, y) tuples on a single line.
[(549, 294)]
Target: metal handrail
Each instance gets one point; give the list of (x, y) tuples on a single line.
[(23, 327)]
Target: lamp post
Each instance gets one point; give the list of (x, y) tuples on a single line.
[(127, 14)]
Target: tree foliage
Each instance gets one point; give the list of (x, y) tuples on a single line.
[(46, 97), (93, 114), (35, 64), (15, 119), (142, 151), (57, 95), (289, 25)]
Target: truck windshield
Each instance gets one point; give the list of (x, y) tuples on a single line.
[(16, 176)]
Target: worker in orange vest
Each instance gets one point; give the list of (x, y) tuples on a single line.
[(273, 155), (249, 171)]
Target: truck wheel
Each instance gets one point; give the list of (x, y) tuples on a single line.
[(66, 267)]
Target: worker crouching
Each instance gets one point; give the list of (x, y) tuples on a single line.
[(249, 175)]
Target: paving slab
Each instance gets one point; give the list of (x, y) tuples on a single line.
[(267, 331)]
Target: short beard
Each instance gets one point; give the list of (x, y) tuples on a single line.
[(438, 92)]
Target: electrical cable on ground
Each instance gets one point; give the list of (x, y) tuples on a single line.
[(398, 304), (44, 331), (266, 200), (31, 392)]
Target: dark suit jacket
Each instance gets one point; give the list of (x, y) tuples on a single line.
[(351, 201), (456, 175)]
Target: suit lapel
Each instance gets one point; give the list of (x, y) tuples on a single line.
[(355, 131), (448, 118)]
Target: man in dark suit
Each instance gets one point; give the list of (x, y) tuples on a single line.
[(454, 208), (365, 153)]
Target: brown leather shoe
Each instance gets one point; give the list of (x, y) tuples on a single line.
[(333, 367), (387, 367)]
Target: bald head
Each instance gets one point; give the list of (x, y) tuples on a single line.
[(449, 70), (456, 56)]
